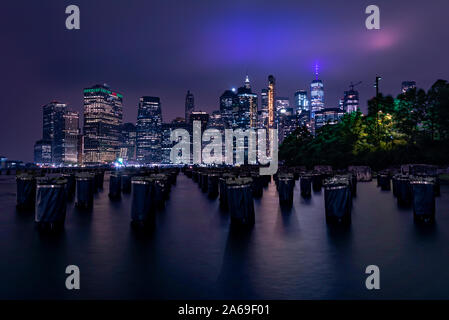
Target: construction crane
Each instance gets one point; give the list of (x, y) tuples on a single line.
[(352, 85)]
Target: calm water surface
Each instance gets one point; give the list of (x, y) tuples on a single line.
[(193, 253)]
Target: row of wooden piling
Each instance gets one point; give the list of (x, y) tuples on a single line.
[(237, 189), (417, 190), (49, 195)]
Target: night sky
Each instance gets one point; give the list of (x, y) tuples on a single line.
[(163, 48)]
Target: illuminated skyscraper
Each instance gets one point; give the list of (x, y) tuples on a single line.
[(271, 106), (190, 106), (149, 130), (262, 114), (70, 138), (200, 116), (329, 116), (301, 103), (316, 96), (228, 102), (103, 113), (61, 131), (52, 128), (351, 101), (245, 116)]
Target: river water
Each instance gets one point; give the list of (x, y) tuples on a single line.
[(194, 254)]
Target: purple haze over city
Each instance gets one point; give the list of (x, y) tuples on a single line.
[(164, 48)]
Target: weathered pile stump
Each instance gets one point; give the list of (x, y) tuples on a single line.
[(143, 202), (423, 191), (212, 185), (306, 186), (126, 183), (383, 179), (51, 203), (338, 200), (99, 179), (257, 185), (195, 176), (85, 185), (240, 201), (223, 190), (204, 182), (161, 189), (286, 185), (115, 186), (353, 184), (317, 181), (403, 190), (26, 192), (71, 185)]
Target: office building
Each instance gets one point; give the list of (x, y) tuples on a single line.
[(302, 102), (245, 116), (228, 102), (271, 99), (262, 113), (103, 113), (149, 130), (351, 101), (201, 116), (327, 116), (316, 96)]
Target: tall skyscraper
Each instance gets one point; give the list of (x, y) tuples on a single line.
[(407, 85), (103, 113), (228, 102), (190, 106), (351, 101), (302, 103), (271, 106), (201, 116), (52, 113), (316, 96), (52, 128), (245, 116), (262, 114), (149, 130), (60, 129), (70, 138)]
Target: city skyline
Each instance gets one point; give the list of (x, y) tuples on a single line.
[(199, 48)]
